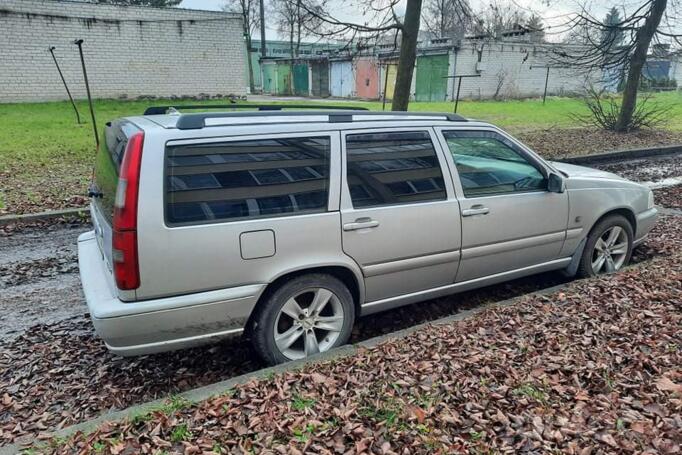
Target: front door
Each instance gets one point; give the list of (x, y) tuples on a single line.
[(399, 213), (509, 219)]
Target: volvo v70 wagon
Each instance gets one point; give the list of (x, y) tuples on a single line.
[(286, 226)]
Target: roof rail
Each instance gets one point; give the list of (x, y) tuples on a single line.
[(160, 110), (198, 120)]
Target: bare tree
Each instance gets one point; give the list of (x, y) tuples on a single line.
[(248, 9), (536, 27), (638, 28), (447, 18), (498, 16), (501, 78), (604, 112), (296, 19)]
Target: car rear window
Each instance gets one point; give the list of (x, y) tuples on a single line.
[(108, 162), (236, 180), (393, 168)]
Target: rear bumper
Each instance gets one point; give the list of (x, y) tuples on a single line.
[(645, 222), (157, 325)]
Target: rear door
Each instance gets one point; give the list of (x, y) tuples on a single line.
[(107, 164), (509, 218), (399, 214)]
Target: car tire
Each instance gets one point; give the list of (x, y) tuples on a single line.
[(604, 253), (310, 313)]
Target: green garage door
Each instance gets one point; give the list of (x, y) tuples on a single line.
[(283, 79), (269, 78), (431, 83), (301, 79)]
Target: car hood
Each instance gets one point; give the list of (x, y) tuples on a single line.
[(586, 172)]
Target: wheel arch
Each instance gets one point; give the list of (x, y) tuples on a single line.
[(626, 212), (349, 277)]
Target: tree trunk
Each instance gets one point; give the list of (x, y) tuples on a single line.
[(642, 41), (261, 7), (298, 27), (408, 55)]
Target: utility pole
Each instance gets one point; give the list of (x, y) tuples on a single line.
[(262, 45), (262, 29)]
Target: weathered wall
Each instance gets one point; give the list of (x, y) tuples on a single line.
[(516, 68), (129, 51)]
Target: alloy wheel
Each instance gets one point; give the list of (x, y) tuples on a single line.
[(610, 251), (308, 323)]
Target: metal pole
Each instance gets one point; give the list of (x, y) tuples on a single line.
[(459, 85), (262, 29), (544, 95), (79, 43), (383, 105), (68, 92)]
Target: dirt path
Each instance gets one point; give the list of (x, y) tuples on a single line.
[(39, 278)]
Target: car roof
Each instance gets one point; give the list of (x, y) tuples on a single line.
[(339, 118)]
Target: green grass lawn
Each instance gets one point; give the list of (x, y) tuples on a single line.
[(39, 141), (38, 134)]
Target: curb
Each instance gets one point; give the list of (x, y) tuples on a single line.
[(622, 154), (202, 393), (42, 216)]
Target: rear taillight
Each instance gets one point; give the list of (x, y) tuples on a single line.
[(124, 238)]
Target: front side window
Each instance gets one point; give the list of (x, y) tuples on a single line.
[(489, 164), (393, 168), (246, 179)]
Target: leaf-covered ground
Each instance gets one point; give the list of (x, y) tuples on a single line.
[(594, 368), (670, 197), (56, 375), (561, 142)]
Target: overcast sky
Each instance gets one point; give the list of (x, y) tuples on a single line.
[(554, 14)]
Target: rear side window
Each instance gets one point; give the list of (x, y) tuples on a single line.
[(246, 179), (393, 168)]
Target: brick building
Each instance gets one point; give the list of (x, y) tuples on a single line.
[(130, 51)]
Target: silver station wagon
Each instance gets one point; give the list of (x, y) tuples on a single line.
[(286, 226)]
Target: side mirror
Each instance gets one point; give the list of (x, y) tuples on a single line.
[(555, 184)]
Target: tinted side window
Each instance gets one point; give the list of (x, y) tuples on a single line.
[(489, 164), (247, 179), (393, 168)]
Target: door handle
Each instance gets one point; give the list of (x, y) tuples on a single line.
[(361, 223), (477, 209)]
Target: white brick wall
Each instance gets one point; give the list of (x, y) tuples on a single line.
[(129, 51), (506, 61)]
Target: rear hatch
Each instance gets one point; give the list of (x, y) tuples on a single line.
[(105, 184)]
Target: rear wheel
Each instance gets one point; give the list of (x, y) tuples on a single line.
[(608, 247), (305, 316)]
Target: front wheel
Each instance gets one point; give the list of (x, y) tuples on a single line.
[(305, 316), (608, 247)]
